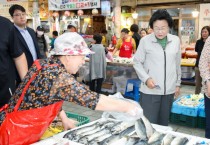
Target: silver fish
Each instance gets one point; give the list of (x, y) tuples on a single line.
[(121, 126), (110, 140), (91, 131), (86, 139), (141, 142), (86, 129), (168, 138), (116, 137), (140, 129), (97, 140), (149, 129), (179, 141), (156, 138), (109, 125), (132, 140)]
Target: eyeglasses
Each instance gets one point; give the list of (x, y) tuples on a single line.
[(163, 29), (20, 14)]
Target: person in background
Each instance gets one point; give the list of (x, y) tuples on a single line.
[(54, 35), (104, 39), (143, 32), (149, 31), (157, 64), (204, 68), (205, 32), (26, 36), (97, 64), (135, 29), (54, 80), (126, 44), (71, 28), (42, 43), (12, 58)]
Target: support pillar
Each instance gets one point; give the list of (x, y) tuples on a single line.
[(117, 17)]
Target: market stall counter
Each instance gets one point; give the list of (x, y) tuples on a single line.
[(130, 134), (117, 74)]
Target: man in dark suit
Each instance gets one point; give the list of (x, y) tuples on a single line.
[(11, 57), (27, 37)]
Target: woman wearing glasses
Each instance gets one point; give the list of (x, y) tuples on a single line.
[(157, 64)]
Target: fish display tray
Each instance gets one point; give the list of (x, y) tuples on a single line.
[(184, 110), (201, 122), (201, 110), (81, 119), (183, 120)]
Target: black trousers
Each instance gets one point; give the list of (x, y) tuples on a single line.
[(207, 110), (157, 108), (95, 85)]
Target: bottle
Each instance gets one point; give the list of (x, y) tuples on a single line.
[(114, 40)]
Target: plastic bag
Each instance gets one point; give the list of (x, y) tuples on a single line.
[(132, 115), (27, 126)]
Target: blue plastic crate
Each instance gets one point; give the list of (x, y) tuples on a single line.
[(201, 111), (185, 110)]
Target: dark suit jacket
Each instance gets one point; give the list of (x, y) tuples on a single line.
[(23, 45)]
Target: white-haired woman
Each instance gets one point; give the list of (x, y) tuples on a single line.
[(48, 83)]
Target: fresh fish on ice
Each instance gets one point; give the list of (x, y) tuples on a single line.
[(140, 129), (168, 138), (156, 138), (179, 141), (149, 129), (121, 126)]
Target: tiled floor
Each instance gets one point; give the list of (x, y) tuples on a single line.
[(93, 115)]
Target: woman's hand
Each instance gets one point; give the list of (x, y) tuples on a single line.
[(177, 92), (67, 123), (150, 83)]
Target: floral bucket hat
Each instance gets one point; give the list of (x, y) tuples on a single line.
[(70, 43)]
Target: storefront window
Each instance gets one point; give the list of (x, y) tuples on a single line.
[(188, 31), (143, 12), (187, 11)]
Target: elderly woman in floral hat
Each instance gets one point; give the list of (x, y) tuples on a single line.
[(48, 83)]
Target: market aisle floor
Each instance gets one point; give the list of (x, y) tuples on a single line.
[(93, 115)]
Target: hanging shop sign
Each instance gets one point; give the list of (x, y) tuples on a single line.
[(43, 9), (143, 2), (4, 8), (6, 1), (73, 4)]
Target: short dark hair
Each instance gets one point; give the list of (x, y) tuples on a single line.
[(16, 7), (40, 28), (134, 28), (97, 38), (125, 30), (143, 30), (71, 26), (207, 28), (161, 14), (55, 33), (104, 31)]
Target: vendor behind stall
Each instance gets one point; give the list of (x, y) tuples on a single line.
[(49, 82), (126, 44)]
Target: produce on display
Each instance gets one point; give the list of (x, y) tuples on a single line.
[(191, 100), (118, 59)]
